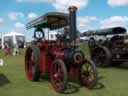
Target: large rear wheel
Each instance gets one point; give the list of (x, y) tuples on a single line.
[(58, 76), (101, 56), (88, 74), (32, 63)]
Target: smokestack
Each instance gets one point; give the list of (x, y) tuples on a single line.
[(72, 22)]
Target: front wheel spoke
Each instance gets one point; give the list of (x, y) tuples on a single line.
[(91, 72), (89, 68), (90, 75), (84, 74), (85, 67), (85, 79)]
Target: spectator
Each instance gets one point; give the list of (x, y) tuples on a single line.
[(7, 49)]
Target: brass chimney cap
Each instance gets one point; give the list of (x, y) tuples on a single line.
[(72, 8)]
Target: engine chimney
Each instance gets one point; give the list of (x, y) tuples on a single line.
[(72, 22)]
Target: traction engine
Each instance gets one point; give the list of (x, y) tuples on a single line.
[(61, 58)]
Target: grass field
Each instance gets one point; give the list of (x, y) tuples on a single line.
[(112, 81)]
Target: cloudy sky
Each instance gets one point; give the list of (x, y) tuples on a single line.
[(91, 14)]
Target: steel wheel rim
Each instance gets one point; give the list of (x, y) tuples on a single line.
[(29, 63), (87, 76)]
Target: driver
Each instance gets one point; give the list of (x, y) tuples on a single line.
[(65, 36)]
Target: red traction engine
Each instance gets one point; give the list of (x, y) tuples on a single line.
[(61, 58)]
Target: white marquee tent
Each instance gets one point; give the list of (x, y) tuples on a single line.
[(12, 37)]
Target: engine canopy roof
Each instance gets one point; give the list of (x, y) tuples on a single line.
[(51, 20)]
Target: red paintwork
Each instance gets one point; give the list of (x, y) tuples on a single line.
[(55, 49), (72, 72), (47, 48), (51, 51)]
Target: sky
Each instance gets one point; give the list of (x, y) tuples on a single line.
[(91, 14)]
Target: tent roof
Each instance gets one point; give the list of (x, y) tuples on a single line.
[(13, 34)]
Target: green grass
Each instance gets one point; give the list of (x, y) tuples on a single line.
[(112, 81)]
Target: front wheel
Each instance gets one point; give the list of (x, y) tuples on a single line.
[(88, 74), (58, 76)]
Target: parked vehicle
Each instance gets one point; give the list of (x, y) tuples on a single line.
[(113, 49), (61, 58)]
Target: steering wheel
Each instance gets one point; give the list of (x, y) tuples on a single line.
[(39, 34)]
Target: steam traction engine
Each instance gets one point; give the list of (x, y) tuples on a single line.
[(111, 49), (61, 58)]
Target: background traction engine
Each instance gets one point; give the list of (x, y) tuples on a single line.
[(112, 49), (61, 59)]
